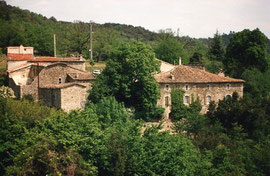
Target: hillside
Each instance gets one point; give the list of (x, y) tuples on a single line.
[(30, 29), (24, 27), (19, 26)]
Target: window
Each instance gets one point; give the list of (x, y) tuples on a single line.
[(208, 86), (208, 99), (59, 80), (186, 101), (166, 101), (228, 96), (228, 86), (167, 87), (186, 87)]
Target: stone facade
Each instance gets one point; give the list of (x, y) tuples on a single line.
[(67, 96), (196, 83), (57, 82)]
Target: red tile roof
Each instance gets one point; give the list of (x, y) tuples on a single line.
[(30, 57), (186, 74), (55, 59), (20, 57)]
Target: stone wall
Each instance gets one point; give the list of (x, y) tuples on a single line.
[(29, 90), (205, 92), (50, 97), (33, 80), (53, 74), (73, 97), (78, 64), (24, 76), (16, 89), (12, 64), (20, 50)]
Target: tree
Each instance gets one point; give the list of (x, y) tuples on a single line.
[(257, 84), (105, 40), (246, 50), (6, 92), (78, 37), (179, 109), (169, 50), (129, 76), (160, 153), (217, 50), (196, 59)]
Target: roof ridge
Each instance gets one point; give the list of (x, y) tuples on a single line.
[(185, 74), (67, 66)]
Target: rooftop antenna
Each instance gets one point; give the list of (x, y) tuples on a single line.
[(91, 40), (54, 44)]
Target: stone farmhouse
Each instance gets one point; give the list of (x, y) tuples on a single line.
[(197, 83), (62, 83)]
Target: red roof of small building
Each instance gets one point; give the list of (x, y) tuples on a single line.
[(55, 59), (30, 57), (186, 74), (20, 57)]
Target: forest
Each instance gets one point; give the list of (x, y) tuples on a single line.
[(106, 137)]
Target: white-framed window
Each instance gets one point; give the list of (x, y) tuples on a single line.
[(228, 86), (186, 87), (167, 87), (186, 100), (59, 80), (166, 101), (208, 99)]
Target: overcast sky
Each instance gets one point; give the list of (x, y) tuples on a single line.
[(195, 18)]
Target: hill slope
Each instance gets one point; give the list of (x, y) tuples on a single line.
[(19, 26)]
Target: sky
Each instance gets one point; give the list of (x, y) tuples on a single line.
[(195, 18)]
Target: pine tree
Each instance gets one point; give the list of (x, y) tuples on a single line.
[(217, 49)]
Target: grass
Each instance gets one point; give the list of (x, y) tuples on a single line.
[(98, 66)]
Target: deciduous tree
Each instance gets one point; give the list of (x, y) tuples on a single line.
[(246, 50), (170, 50), (129, 76)]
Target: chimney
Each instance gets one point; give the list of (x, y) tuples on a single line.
[(80, 57), (21, 49), (180, 60), (221, 73), (172, 76)]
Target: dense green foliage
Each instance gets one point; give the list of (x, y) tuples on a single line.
[(170, 50), (102, 139), (196, 59), (179, 109), (257, 84), (129, 76), (217, 50), (234, 136), (246, 50)]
